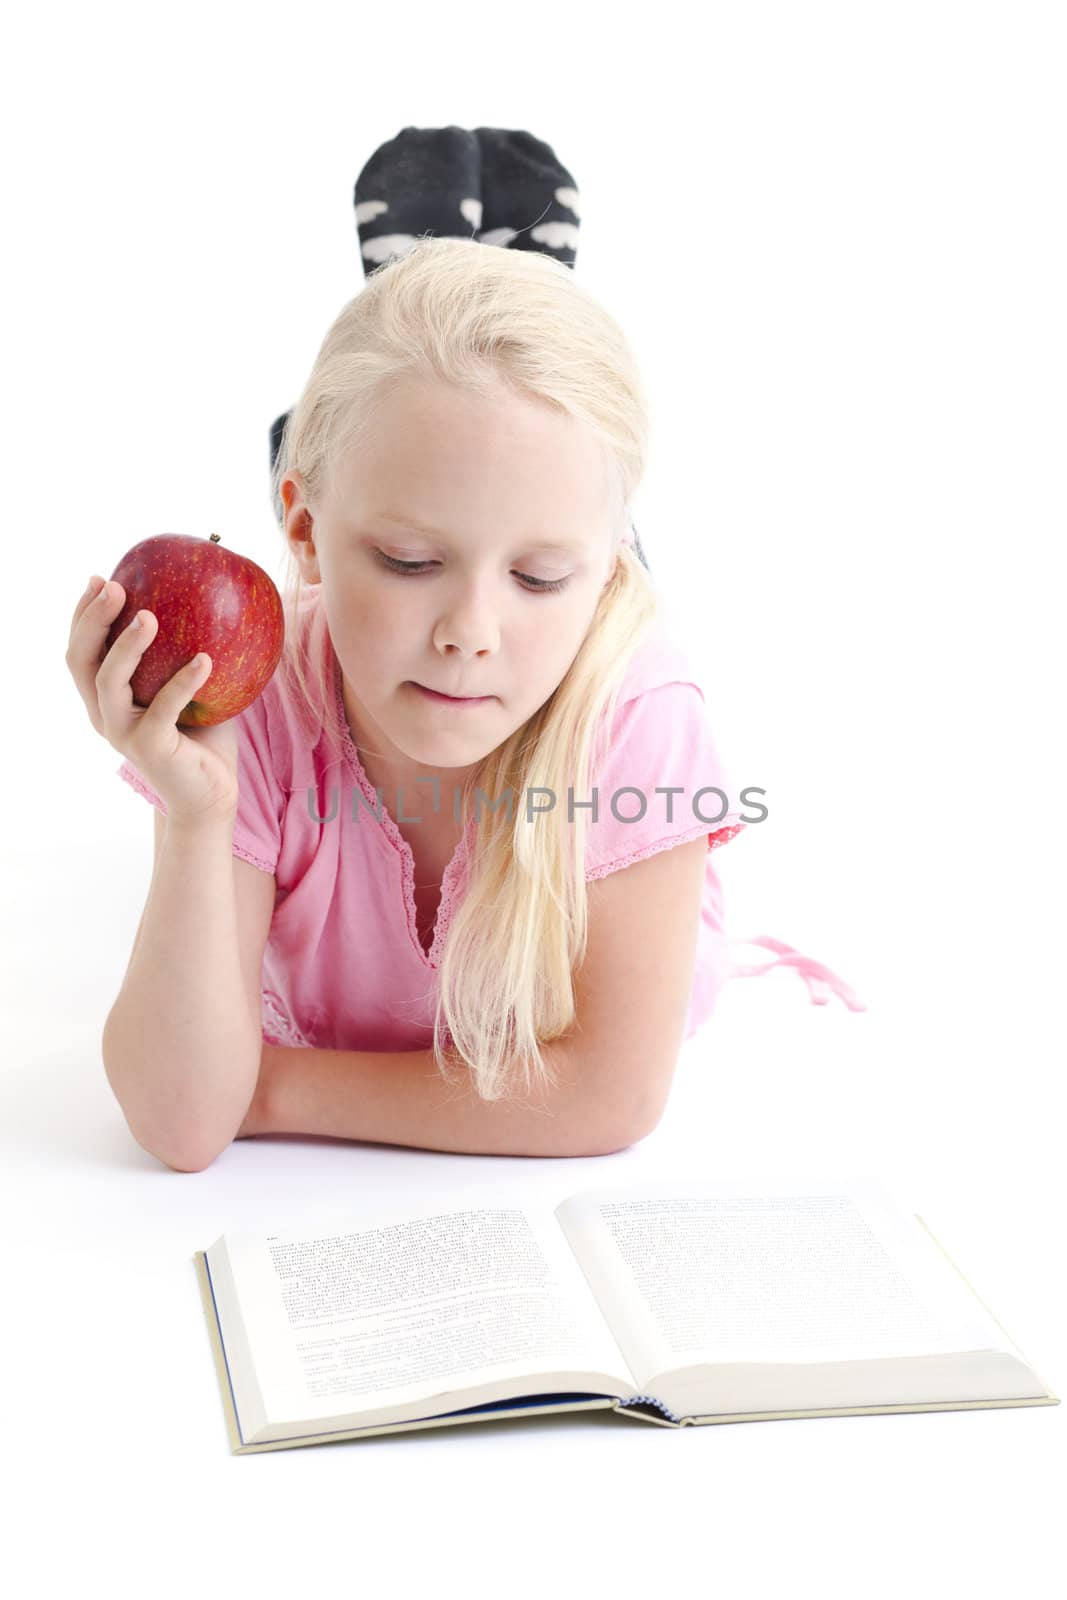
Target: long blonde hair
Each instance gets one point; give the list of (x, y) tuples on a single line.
[(471, 314)]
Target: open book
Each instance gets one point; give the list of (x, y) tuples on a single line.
[(680, 1302)]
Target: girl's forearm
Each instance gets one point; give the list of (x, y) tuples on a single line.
[(180, 1046), (399, 1097)]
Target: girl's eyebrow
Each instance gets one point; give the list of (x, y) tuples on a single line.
[(568, 546)]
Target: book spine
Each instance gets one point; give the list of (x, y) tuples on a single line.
[(650, 1400)]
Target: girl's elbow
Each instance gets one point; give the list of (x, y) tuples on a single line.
[(187, 1166), (179, 1159)]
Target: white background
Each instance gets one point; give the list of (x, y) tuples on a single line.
[(835, 234)]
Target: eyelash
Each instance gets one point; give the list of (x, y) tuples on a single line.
[(532, 585)]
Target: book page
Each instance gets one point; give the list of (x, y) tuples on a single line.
[(695, 1272), (395, 1307)]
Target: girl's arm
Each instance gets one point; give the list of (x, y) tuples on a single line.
[(398, 1097), (181, 1045)]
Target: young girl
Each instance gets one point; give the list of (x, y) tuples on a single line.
[(463, 837)]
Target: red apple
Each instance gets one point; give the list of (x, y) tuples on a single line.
[(203, 598)]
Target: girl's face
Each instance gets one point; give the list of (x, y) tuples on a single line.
[(489, 501)]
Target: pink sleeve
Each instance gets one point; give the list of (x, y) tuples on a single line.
[(257, 826), (661, 740)]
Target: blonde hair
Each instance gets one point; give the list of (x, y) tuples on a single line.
[(471, 315)]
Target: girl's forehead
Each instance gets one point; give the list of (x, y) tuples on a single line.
[(406, 409)]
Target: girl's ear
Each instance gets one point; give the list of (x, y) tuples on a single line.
[(302, 544), (299, 527)]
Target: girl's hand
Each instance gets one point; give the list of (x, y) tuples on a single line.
[(194, 770)]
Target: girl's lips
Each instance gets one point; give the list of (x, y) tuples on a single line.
[(451, 700)]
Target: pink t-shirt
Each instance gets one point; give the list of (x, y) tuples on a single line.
[(343, 967)]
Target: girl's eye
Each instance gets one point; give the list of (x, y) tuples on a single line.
[(535, 585)]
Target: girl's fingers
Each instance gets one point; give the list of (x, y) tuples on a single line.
[(92, 619), (111, 679), (103, 677), (162, 715), (85, 652), (86, 600)]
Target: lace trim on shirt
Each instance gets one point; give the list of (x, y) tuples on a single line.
[(392, 832), (277, 1027), (449, 891), (256, 861), (717, 837), (134, 779)]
